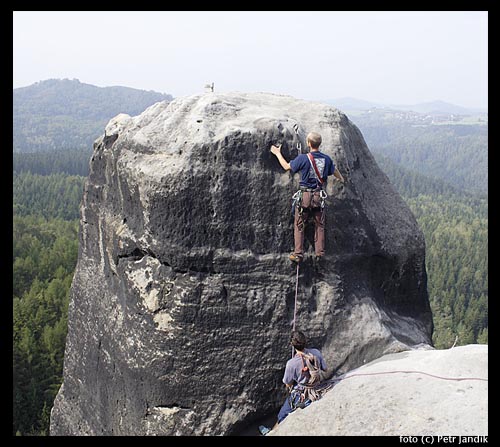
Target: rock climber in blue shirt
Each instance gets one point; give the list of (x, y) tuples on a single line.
[(314, 169)]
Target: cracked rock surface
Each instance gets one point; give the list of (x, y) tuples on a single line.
[(183, 295)]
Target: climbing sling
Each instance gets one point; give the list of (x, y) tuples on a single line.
[(322, 192), (315, 168)]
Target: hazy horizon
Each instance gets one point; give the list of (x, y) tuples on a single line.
[(347, 98), (389, 57)]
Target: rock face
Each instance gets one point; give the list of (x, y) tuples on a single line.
[(183, 295), (380, 399)]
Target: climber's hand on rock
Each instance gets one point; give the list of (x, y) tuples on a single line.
[(276, 149)]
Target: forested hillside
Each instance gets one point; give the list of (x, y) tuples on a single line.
[(49, 196), (63, 113), (455, 227), (454, 153), (64, 161), (44, 258)]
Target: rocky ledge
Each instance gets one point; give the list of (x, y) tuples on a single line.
[(412, 393)]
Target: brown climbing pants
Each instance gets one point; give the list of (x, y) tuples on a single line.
[(311, 206)]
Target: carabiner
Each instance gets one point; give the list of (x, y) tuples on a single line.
[(323, 195)]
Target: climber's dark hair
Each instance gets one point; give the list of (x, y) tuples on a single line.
[(298, 340)]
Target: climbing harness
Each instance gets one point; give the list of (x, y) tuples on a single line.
[(297, 202), (297, 399)]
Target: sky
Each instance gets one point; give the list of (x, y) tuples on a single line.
[(389, 57)]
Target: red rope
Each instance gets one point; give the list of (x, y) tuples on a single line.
[(415, 372)]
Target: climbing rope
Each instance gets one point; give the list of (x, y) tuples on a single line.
[(346, 376), (332, 382), (296, 292), (411, 372), (295, 304)]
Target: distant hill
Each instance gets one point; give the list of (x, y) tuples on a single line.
[(433, 107), (69, 114), (436, 107), (444, 141)]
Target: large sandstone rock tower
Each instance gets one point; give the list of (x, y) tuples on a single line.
[(183, 295)]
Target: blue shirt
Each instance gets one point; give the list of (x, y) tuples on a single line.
[(308, 178), (293, 368)]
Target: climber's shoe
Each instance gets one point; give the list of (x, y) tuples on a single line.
[(295, 258), (264, 430)]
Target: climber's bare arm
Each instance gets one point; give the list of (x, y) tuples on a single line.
[(338, 175), (276, 150)]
